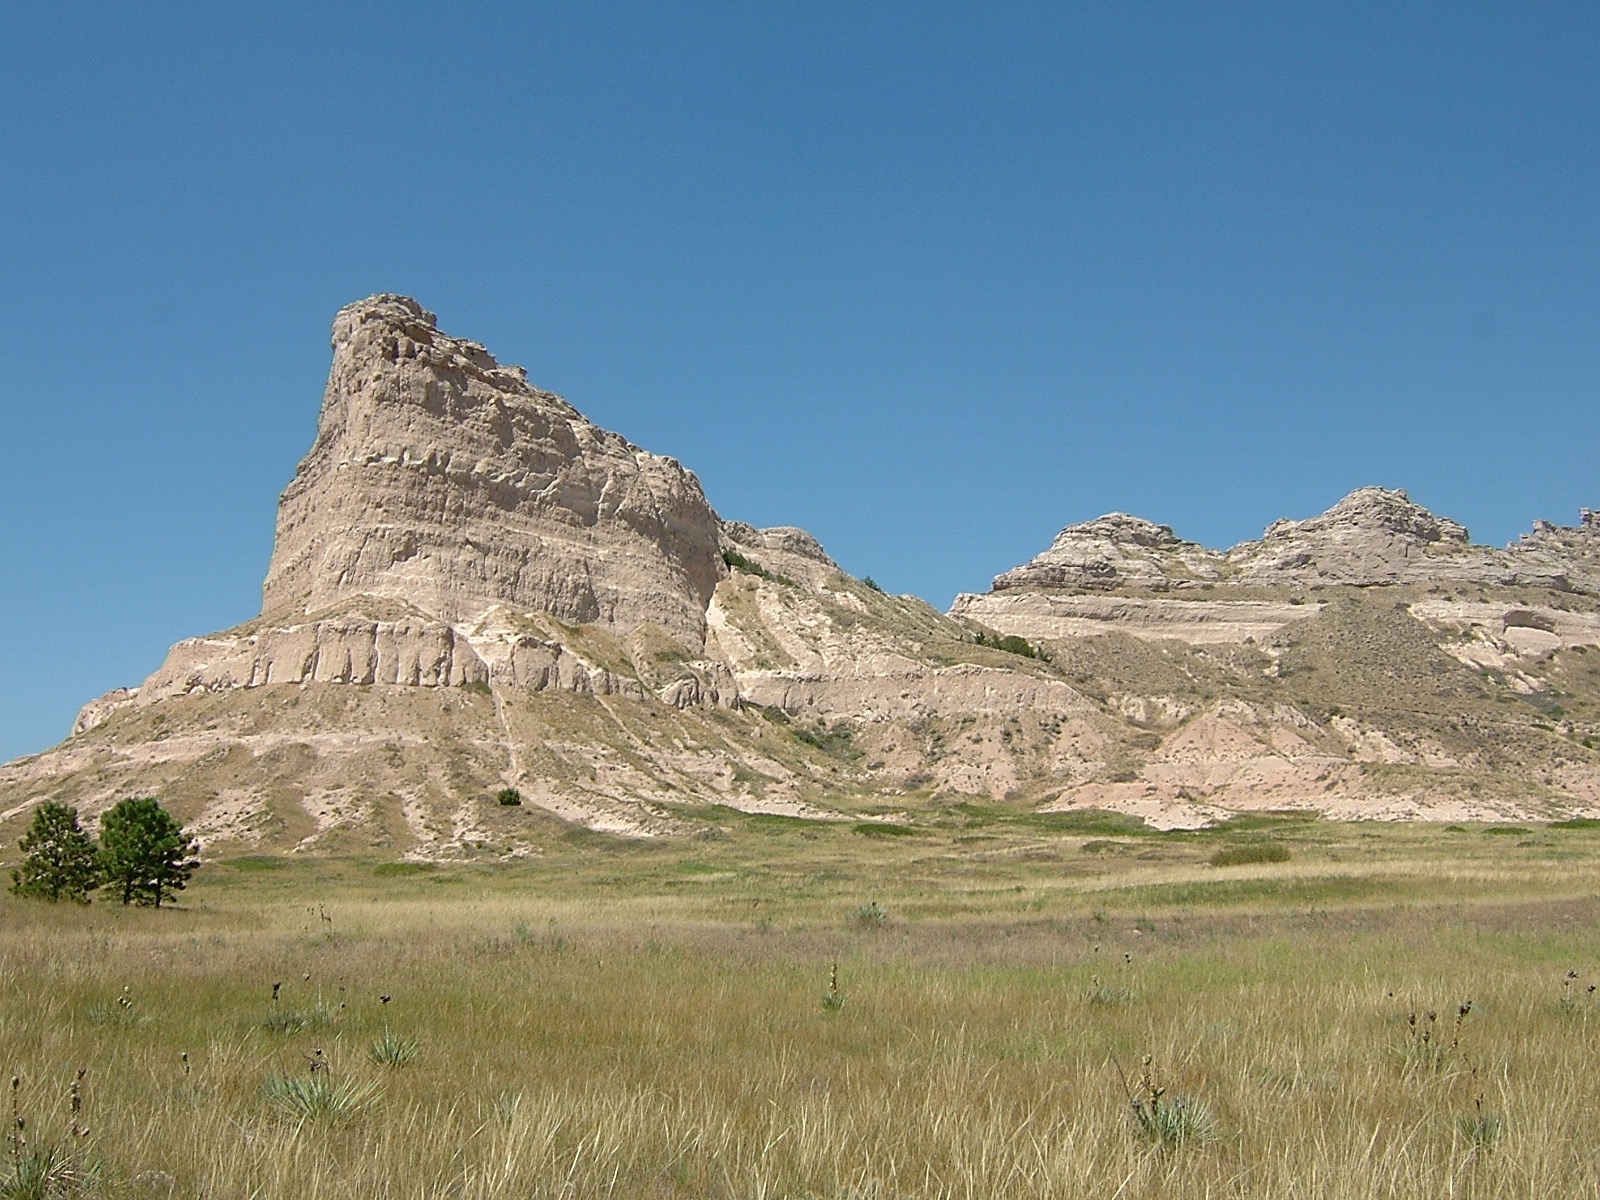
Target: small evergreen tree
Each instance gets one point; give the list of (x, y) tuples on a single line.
[(60, 860), (144, 851)]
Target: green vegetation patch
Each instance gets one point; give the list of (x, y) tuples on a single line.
[(404, 868), (1230, 892), (1250, 852), (255, 862), (749, 566), (884, 829), (1090, 822)]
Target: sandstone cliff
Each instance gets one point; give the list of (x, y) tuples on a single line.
[(442, 479)]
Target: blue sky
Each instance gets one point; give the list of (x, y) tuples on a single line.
[(929, 280)]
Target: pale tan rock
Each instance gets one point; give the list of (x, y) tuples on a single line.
[(1116, 551), (1041, 616), (102, 707), (440, 478), (1373, 536), (473, 588), (1570, 552)]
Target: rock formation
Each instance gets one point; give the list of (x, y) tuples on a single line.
[(440, 478), (1570, 552), (1371, 537), (473, 587), (1116, 551)]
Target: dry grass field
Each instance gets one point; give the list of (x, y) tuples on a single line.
[(1023, 1007)]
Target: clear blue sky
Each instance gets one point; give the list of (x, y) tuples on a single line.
[(929, 280)]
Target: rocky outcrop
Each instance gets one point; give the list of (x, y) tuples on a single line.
[(443, 479), (1116, 551), (1041, 616), (1571, 552), (789, 552), (1372, 537), (98, 710)]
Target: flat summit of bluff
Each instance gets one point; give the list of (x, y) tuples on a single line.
[(474, 588)]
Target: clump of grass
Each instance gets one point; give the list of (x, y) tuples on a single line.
[(1167, 1120), (1250, 852), (1102, 846), (392, 1050), (120, 1013), (870, 915), (317, 1097), (42, 1172), (1480, 1130), (404, 868), (1102, 994), (298, 1020), (508, 797)]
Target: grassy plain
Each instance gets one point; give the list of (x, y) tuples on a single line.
[(658, 1019)]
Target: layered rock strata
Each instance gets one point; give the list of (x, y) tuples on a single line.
[(1373, 537), (443, 479), (1116, 551)]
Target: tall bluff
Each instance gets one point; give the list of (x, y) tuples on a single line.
[(440, 478)]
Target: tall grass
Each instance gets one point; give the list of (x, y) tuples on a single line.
[(628, 1044)]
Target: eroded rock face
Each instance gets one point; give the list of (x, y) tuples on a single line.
[(1373, 536), (444, 479), (1116, 551), (1571, 551)]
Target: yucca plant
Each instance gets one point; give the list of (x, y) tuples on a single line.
[(392, 1050), (41, 1173), (1167, 1120), (317, 1097)]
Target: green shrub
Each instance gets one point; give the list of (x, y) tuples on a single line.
[(870, 915), (1010, 643), (749, 566), (884, 829), (509, 797), (1250, 852)]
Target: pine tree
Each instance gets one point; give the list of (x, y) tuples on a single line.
[(144, 851), (60, 860)]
